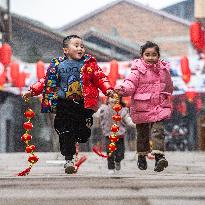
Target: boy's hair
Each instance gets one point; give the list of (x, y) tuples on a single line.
[(149, 44), (68, 38)]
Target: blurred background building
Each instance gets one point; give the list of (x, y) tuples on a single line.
[(114, 31)]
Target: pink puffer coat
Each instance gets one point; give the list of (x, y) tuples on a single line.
[(150, 87)]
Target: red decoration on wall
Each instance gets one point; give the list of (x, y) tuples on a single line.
[(40, 69), (2, 75), (5, 54), (186, 73), (114, 72), (197, 35), (199, 104), (14, 72), (191, 95)]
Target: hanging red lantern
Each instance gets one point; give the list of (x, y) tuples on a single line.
[(183, 108), (186, 73), (197, 35), (21, 82), (113, 138), (199, 104), (14, 72), (114, 128), (5, 54), (117, 107), (30, 148), (112, 147), (29, 113), (33, 159), (191, 94), (114, 72), (2, 75), (40, 69), (117, 118), (26, 137), (27, 125)]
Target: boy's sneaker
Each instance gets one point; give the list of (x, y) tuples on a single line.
[(142, 162), (69, 167), (160, 163), (117, 166)]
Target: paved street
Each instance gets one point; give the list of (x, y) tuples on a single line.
[(182, 183)]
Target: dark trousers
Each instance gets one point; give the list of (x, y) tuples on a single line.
[(70, 125), (118, 155), (153, 131)]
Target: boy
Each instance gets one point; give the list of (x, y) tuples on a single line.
[(70, 90)]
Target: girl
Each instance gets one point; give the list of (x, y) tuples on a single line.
[(105, 114), (150, 87)]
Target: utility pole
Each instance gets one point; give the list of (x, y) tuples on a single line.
[(5, 22)]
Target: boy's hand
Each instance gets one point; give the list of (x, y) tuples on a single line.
[(110, 93), (26, 96)]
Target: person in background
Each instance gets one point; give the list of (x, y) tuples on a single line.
[(105, 113)]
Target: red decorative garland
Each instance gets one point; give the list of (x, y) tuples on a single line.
[(32, 159), (114, 128)]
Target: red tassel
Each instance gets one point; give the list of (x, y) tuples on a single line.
[(80, 161), (24, 172), (98, 152)]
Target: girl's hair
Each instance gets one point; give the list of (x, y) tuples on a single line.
[(68, 38), (149, 44)]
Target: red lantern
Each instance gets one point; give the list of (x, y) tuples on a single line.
[(5, 54), (21, 81), (14, 72), (33, 159), (199, 104), (114, 73), (40, 70), (27, 125), (117, 107), (197, 35), (113, 138), (2, 75), (26, 137), (183, 108), (29, 113), (191, 95), (30, 148), (115, 128), (117, 118), (186, 73), (112, 147)]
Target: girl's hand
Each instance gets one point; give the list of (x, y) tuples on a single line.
[(118, 91), (109, 93)]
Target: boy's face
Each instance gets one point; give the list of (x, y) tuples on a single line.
[(75, 49), (150, 56)]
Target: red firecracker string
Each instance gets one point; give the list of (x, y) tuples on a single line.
[(78, 162), (26, 138), (114, 129)]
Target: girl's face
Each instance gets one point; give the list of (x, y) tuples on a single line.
[(75, 49), (150, 56), (111, 101)]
